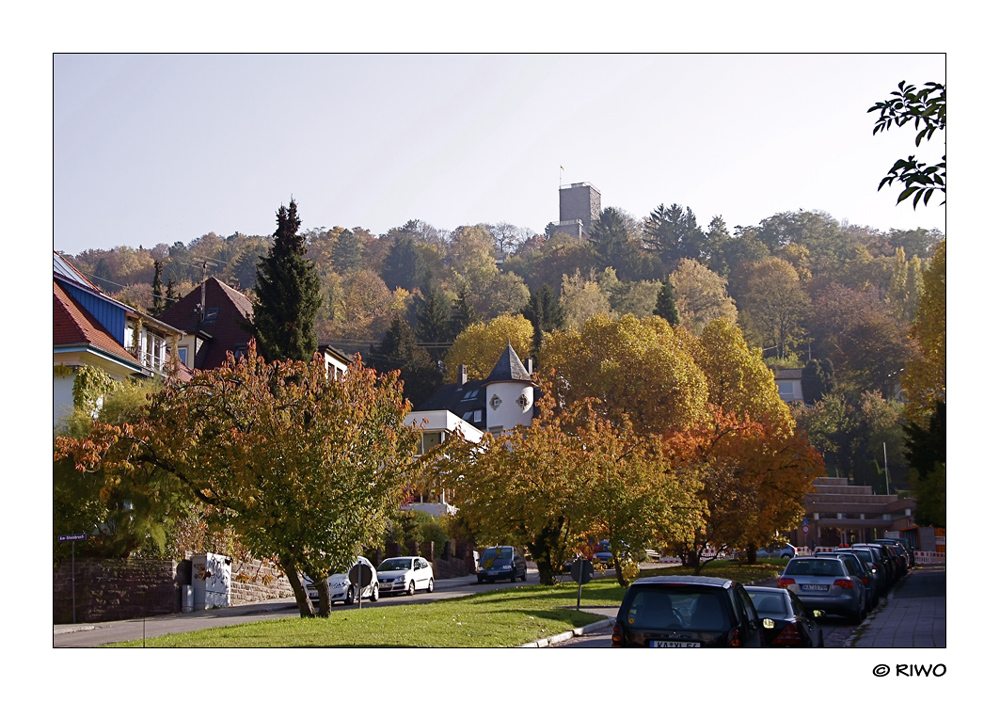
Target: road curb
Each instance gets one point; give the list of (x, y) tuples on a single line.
[(566, 635)]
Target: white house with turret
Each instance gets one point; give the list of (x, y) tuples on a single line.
[(504, 400)]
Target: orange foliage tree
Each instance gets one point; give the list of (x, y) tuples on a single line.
[(304, 468), (754, 475)]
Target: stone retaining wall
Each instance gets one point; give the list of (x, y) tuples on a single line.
[(112, 589)]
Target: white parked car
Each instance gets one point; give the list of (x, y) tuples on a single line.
[(341, 589), (405, 574)]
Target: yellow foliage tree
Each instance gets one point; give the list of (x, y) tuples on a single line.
[(738, 380), (633, 366), (924, 380), (480, 346)]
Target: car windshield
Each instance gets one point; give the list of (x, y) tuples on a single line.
[(679, 608), (823, 567), (395, 564), (502, 552), (769, 604)]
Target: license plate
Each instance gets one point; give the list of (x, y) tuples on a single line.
[(675, 644), (821, 588)]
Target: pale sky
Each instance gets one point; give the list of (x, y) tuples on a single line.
[(155, 149)]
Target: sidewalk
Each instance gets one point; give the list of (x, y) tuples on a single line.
[(913, 616)]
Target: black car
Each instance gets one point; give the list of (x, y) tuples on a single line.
[(501, 563), (786, 621), (686, 612)]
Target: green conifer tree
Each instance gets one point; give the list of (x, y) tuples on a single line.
[(287, 295), (434, 320), (398, 350), (158, 306), (462, 312), (544, 312), (665, 306)]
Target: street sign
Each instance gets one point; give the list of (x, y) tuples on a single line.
[(805, 529), (582, 571), (365, 575), (72, 537)]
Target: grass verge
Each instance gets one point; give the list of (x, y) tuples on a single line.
[(501, 618)]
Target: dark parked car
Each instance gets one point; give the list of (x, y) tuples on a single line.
[(826, 584), (786, 621), (871, 561), (501, 563), (887, 561), (686, 612), (904, 546)]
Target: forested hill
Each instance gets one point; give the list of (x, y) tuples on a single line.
[(796, 282)]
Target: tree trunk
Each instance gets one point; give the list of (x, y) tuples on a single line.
[(323, 591), (751, 554), (616, 561), (301, 598)]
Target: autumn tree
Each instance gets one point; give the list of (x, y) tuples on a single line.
[(700, 295), (287, 294), (582, 298), (481, 344), (738, 380), (133, 515), (925, 379), (754, 475), (635, 496), (774, 305), (632, 366), (568, 475), (304, 467)]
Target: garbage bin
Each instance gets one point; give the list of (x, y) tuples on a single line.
[(187, 598)]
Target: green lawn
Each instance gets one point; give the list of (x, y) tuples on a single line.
[(500, 618)]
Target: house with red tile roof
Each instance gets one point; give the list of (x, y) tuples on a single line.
[(92, 329), (213, 317)]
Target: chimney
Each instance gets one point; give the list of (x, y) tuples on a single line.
[(462, 376), (529, 366)]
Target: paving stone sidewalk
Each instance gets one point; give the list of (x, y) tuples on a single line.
[(913, 616)]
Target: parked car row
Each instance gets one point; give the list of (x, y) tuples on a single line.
[(698, 611), (394, 576), (404, 575), (847, 581)]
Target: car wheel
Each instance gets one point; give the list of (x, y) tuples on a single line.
[(821, 644), (411, 588), (513, 576), (524, 576), (350, 595), (374, 597), (480, 579), (430, 585)]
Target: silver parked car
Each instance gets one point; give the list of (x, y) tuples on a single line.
[(341, 589), (405, 574), (857, 567), (826, 584)]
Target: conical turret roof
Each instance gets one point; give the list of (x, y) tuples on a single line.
[(509, 367)]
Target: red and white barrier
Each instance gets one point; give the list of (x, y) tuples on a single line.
[(929, 557)]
